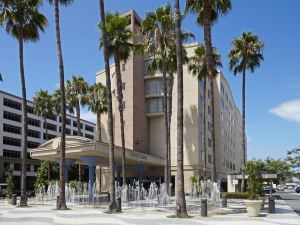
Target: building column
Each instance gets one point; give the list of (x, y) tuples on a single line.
[(140, 168), (68, 162), (91, 162)]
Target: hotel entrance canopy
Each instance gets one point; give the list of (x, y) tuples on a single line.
[(77, 147)]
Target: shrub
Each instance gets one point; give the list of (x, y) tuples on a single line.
[(10, 184), (236, 195), (254, 170)]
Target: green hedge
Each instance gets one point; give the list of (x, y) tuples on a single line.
[(236, 195)]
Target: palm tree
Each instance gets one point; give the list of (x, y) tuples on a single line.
[(245, 55), (119, 46), (95, 99), (208, 12), (62, 197), (24, 22), (76, 89), (158, 31), (197, 66), (43, 106), (180, 195), (112, 204)]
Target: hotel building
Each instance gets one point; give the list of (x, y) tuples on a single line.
[(144, 118), (11, 128)]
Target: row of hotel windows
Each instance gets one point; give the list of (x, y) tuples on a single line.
[(17, 167), (202, 157), (228, 164), (37, 123), (228, 151), (30, 144)]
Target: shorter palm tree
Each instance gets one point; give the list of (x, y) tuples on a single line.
[(43, 106), (197, 66), (245, 55), (76, 88), (95, 99), (24, 22)]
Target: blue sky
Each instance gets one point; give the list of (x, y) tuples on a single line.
[(273, 99)]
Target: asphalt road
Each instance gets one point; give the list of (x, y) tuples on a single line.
[(291, 198)]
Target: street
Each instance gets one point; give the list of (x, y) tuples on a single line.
[(291, 198)]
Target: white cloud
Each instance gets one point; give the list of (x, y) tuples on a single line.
[(289, 110), (89, 116), (57, 85)]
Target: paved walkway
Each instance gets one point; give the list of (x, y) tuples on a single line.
[(46, 215)]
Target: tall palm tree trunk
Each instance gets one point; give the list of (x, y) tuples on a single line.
[(99, 137), (112, 204), (49, 164), (121, 109), (180, 195), (212, 103), (79, 134), (23, 201), (210, 69), (204, 130), (244, 130), (165, 108), (78, 118), (170, 90), (62, 197)]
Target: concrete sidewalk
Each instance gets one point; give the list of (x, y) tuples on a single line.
[(46, 215)]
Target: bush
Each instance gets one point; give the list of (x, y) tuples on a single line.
[(236, 195), (10, 184), (254, 170)]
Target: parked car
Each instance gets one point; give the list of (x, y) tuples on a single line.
[(279, 188), (266, 190), (297, 189)]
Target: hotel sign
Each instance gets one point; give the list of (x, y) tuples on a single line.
[(137, 155)]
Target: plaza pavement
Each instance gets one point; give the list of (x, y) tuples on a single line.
[(84, 215)]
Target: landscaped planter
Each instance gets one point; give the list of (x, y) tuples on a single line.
[(253, 207)]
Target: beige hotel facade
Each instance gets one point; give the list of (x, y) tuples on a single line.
[(144, 118)]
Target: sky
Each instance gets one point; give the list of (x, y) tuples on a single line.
[(272, 92)]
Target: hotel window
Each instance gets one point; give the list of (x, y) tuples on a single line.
[(50, 136), (12, 104), (28, 167), (155, 105), (34, 134), (209, 110), (123, 86), (52, 117), (202, 155), (11, 141), (75, 124), (35, 168), (74, 132), (17, 166), (29, 109), (233, 166), (89, 128), (222, 103), (222, 88), (12, 116), (34, 122), (153, 86), (123, 67), (222, 147), (89, 136), (201, 119), (6, 165), (223, 162), (11, 129), (230, 165), (50, 126), (68, 131), (11, 154), (32, 144)]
